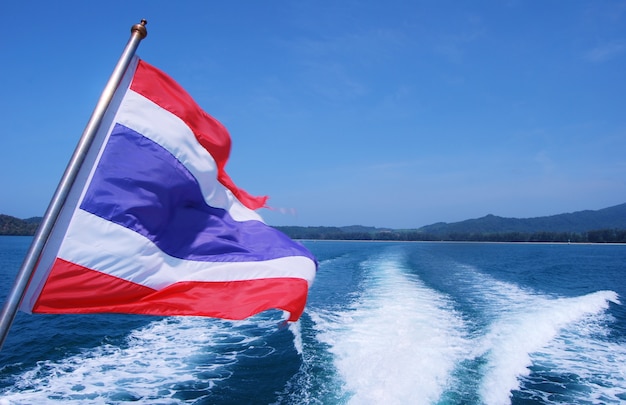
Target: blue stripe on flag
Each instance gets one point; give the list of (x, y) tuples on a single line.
[(143, 187)]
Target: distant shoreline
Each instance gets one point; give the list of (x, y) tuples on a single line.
[(464, 241), (595, 227)]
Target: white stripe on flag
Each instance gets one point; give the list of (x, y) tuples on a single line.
[(96, 243)]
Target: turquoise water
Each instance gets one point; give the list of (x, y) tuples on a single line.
[(386, 322)]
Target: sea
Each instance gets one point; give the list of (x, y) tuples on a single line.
[(386, 323)]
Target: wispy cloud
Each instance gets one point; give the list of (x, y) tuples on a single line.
[(332, 65), (454, 45), (545, 161), (606, 51)]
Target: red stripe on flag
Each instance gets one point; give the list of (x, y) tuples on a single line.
[(71, 288), (157, 86)]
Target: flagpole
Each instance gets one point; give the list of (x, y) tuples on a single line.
[(138, 32)]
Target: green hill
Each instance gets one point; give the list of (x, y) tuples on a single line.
[(20, 227)]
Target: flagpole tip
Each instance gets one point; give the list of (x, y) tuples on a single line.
[(140, 28)]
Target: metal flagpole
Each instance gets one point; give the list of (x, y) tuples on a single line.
[(138, 32)]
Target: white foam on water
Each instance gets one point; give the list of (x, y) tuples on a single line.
[(595, 364), (155, 362), (398, 343), (296, 329), (528, 326)]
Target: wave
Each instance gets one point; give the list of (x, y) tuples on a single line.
[(524, 333), (513, 339)]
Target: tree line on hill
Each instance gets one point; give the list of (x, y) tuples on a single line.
[(18, 227), (333, 233)]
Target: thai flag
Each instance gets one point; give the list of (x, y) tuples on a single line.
[(154, 225)]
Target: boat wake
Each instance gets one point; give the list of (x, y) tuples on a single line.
[(401, 341)]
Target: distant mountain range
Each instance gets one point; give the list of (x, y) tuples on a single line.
[(576, 222), (605, 225)]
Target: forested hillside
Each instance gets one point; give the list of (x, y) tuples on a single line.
[(13, 226), (601, 226)]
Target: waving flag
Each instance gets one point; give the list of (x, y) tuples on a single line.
[(154, 224)]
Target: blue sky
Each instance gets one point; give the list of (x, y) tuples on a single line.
[(390, 114)]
